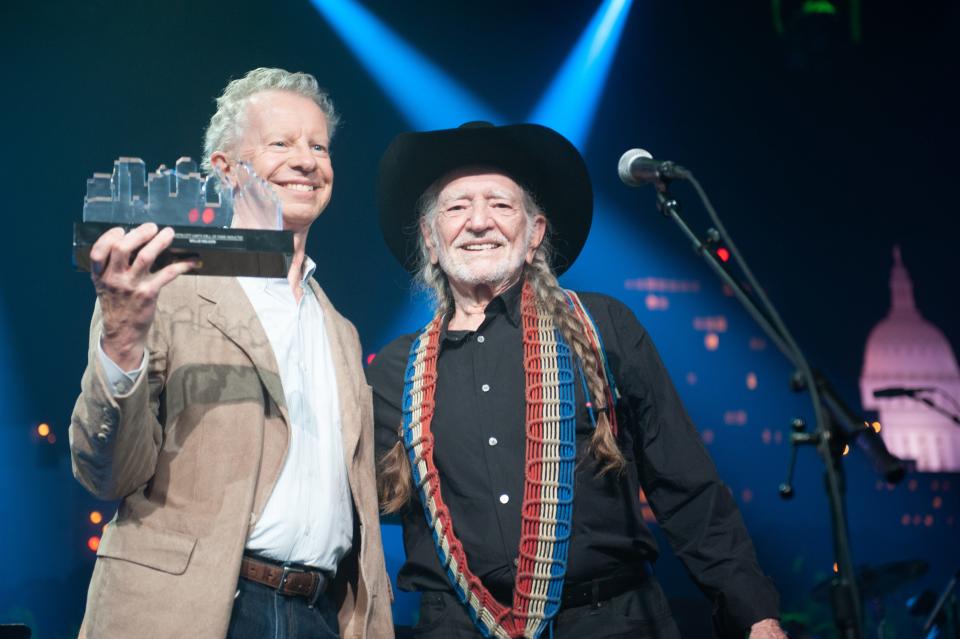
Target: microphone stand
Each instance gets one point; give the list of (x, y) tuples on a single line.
[(836, 425), (939, 606), (929, 403)]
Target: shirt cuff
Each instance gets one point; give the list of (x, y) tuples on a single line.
[(120, 381)]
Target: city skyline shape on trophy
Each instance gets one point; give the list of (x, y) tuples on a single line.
[(181, 196)]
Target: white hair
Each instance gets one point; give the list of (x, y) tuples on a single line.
[(226, 124)]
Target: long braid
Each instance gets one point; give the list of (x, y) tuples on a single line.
[(394, 482), (603, 444)]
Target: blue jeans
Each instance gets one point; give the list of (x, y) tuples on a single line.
[(260, 612)]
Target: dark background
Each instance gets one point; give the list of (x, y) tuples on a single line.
[(820, 153)]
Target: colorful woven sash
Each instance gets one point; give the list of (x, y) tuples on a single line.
[(547, 508)]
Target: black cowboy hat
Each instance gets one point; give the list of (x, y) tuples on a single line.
[(536, 157)]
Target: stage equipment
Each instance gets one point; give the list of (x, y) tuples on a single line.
[(878, 582), (896, 391), (637, 167), (232, 225), (942, 615), (818, 35), (916, 394), (837, 425)]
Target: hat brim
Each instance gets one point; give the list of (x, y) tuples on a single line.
[(536, 157)]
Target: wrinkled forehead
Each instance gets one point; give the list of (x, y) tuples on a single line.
[(471, 180)]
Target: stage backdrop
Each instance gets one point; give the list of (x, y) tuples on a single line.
[(824, 137)]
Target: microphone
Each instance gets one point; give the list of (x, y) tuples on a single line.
[(898, 391), (637, 167)]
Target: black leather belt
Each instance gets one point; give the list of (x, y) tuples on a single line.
[(593, 592)]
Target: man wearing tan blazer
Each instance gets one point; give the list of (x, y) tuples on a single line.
[(231, 417)]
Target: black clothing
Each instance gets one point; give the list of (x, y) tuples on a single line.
[(479, 451), (640, 613)]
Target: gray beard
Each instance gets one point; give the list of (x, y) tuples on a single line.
[(458, 270)]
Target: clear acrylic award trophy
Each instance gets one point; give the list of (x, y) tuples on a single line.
[(232, 225)]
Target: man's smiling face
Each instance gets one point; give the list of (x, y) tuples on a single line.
[(285, 139), (481, 234)]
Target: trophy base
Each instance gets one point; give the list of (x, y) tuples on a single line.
[(230, 252)]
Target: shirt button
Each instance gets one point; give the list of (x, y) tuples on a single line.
[(481, 339), (504, 498), (492, 441), (485, 388)]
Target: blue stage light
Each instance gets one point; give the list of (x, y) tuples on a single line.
[(571, 100), (426, 96), (406, 76), (616, 247)]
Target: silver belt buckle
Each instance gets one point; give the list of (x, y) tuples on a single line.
[(287, 570), (321, 586)]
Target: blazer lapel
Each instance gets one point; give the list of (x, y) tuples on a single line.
[(236, 318), (340, 340)]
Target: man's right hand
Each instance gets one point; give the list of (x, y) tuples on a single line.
[(127, 289)]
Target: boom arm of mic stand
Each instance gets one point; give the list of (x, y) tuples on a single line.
[(848, 614), (926, 401), (885, 464), (669, 206)]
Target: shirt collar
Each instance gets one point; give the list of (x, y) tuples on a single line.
[(265, 283), (309, 266), (507, 304)]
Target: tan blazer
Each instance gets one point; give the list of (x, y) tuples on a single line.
[(193, 451)]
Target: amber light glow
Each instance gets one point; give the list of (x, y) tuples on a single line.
[(96, 517), (711, 341), (43, 430)]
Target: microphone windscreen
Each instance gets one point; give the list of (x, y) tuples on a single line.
[(626, 160)]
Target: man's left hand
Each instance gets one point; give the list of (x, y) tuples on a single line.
[(767, 629)]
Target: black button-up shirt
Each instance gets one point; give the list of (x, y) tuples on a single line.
[(479, 430)]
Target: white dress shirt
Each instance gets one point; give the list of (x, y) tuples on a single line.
[(308, 518)]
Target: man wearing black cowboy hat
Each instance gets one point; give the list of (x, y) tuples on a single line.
[(515, 430)]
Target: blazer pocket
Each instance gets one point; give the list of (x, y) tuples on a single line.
[(162, 550)]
